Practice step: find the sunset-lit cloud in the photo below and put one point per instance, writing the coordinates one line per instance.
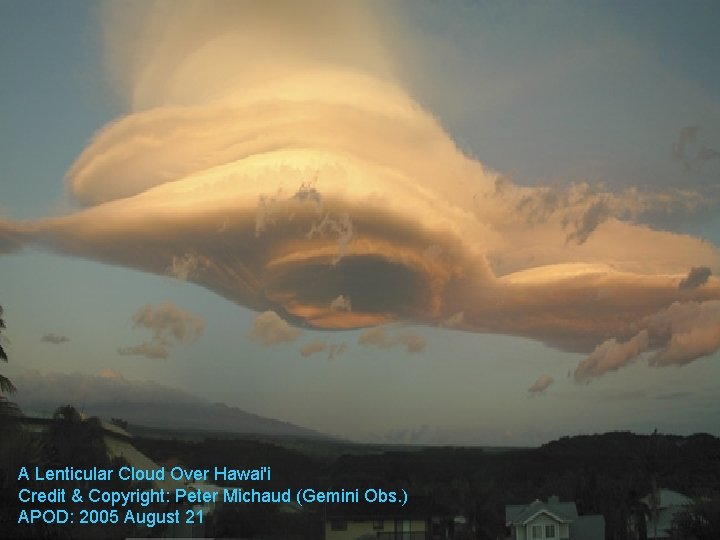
(539, 386)
(269, 329)
(314, 347)
(170, 325)
(306, 184)
(676, 335)
(341, 303)
(381, 338)
(185, 267)
(109, 373)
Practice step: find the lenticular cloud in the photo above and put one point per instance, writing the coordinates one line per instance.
(270, 155)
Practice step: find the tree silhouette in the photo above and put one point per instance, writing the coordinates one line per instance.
(5, 384)
(70, 439)
(9, 411)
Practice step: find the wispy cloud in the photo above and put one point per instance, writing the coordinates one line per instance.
(539, 386)
(54, 339)
(380, 337)
(691, 151)
(318, 346)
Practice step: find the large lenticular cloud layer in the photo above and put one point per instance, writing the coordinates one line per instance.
(269, 155)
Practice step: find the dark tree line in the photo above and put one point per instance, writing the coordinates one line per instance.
(603, 474)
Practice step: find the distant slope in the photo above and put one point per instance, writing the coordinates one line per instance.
(143, 403)
(198, 417)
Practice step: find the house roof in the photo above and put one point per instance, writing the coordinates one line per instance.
(519, 514)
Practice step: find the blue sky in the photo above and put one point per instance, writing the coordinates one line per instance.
(546, 94)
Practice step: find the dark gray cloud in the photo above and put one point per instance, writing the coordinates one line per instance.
(697, 277)
(691, 151)
(336, 349)
(54, 339)
(596, 214)
(687, 137)
(674, 395)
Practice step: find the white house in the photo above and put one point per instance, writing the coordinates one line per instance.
(552, 520)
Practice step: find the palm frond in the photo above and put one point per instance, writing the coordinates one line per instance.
(6, 385)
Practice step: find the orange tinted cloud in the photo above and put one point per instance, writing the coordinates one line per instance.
(296, 176)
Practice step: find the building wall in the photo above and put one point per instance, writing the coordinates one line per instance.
(523, 533)
(542, 520)
(518, 533)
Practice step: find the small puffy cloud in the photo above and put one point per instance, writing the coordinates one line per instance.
(697, 277)
(678, 335)
(314, 347)
(170, 325)
(109, 373)
(341, 303)
(269, 329)
(379, 337)
(54, 339)
(376, 337)
(611, 355)
(541, 385)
